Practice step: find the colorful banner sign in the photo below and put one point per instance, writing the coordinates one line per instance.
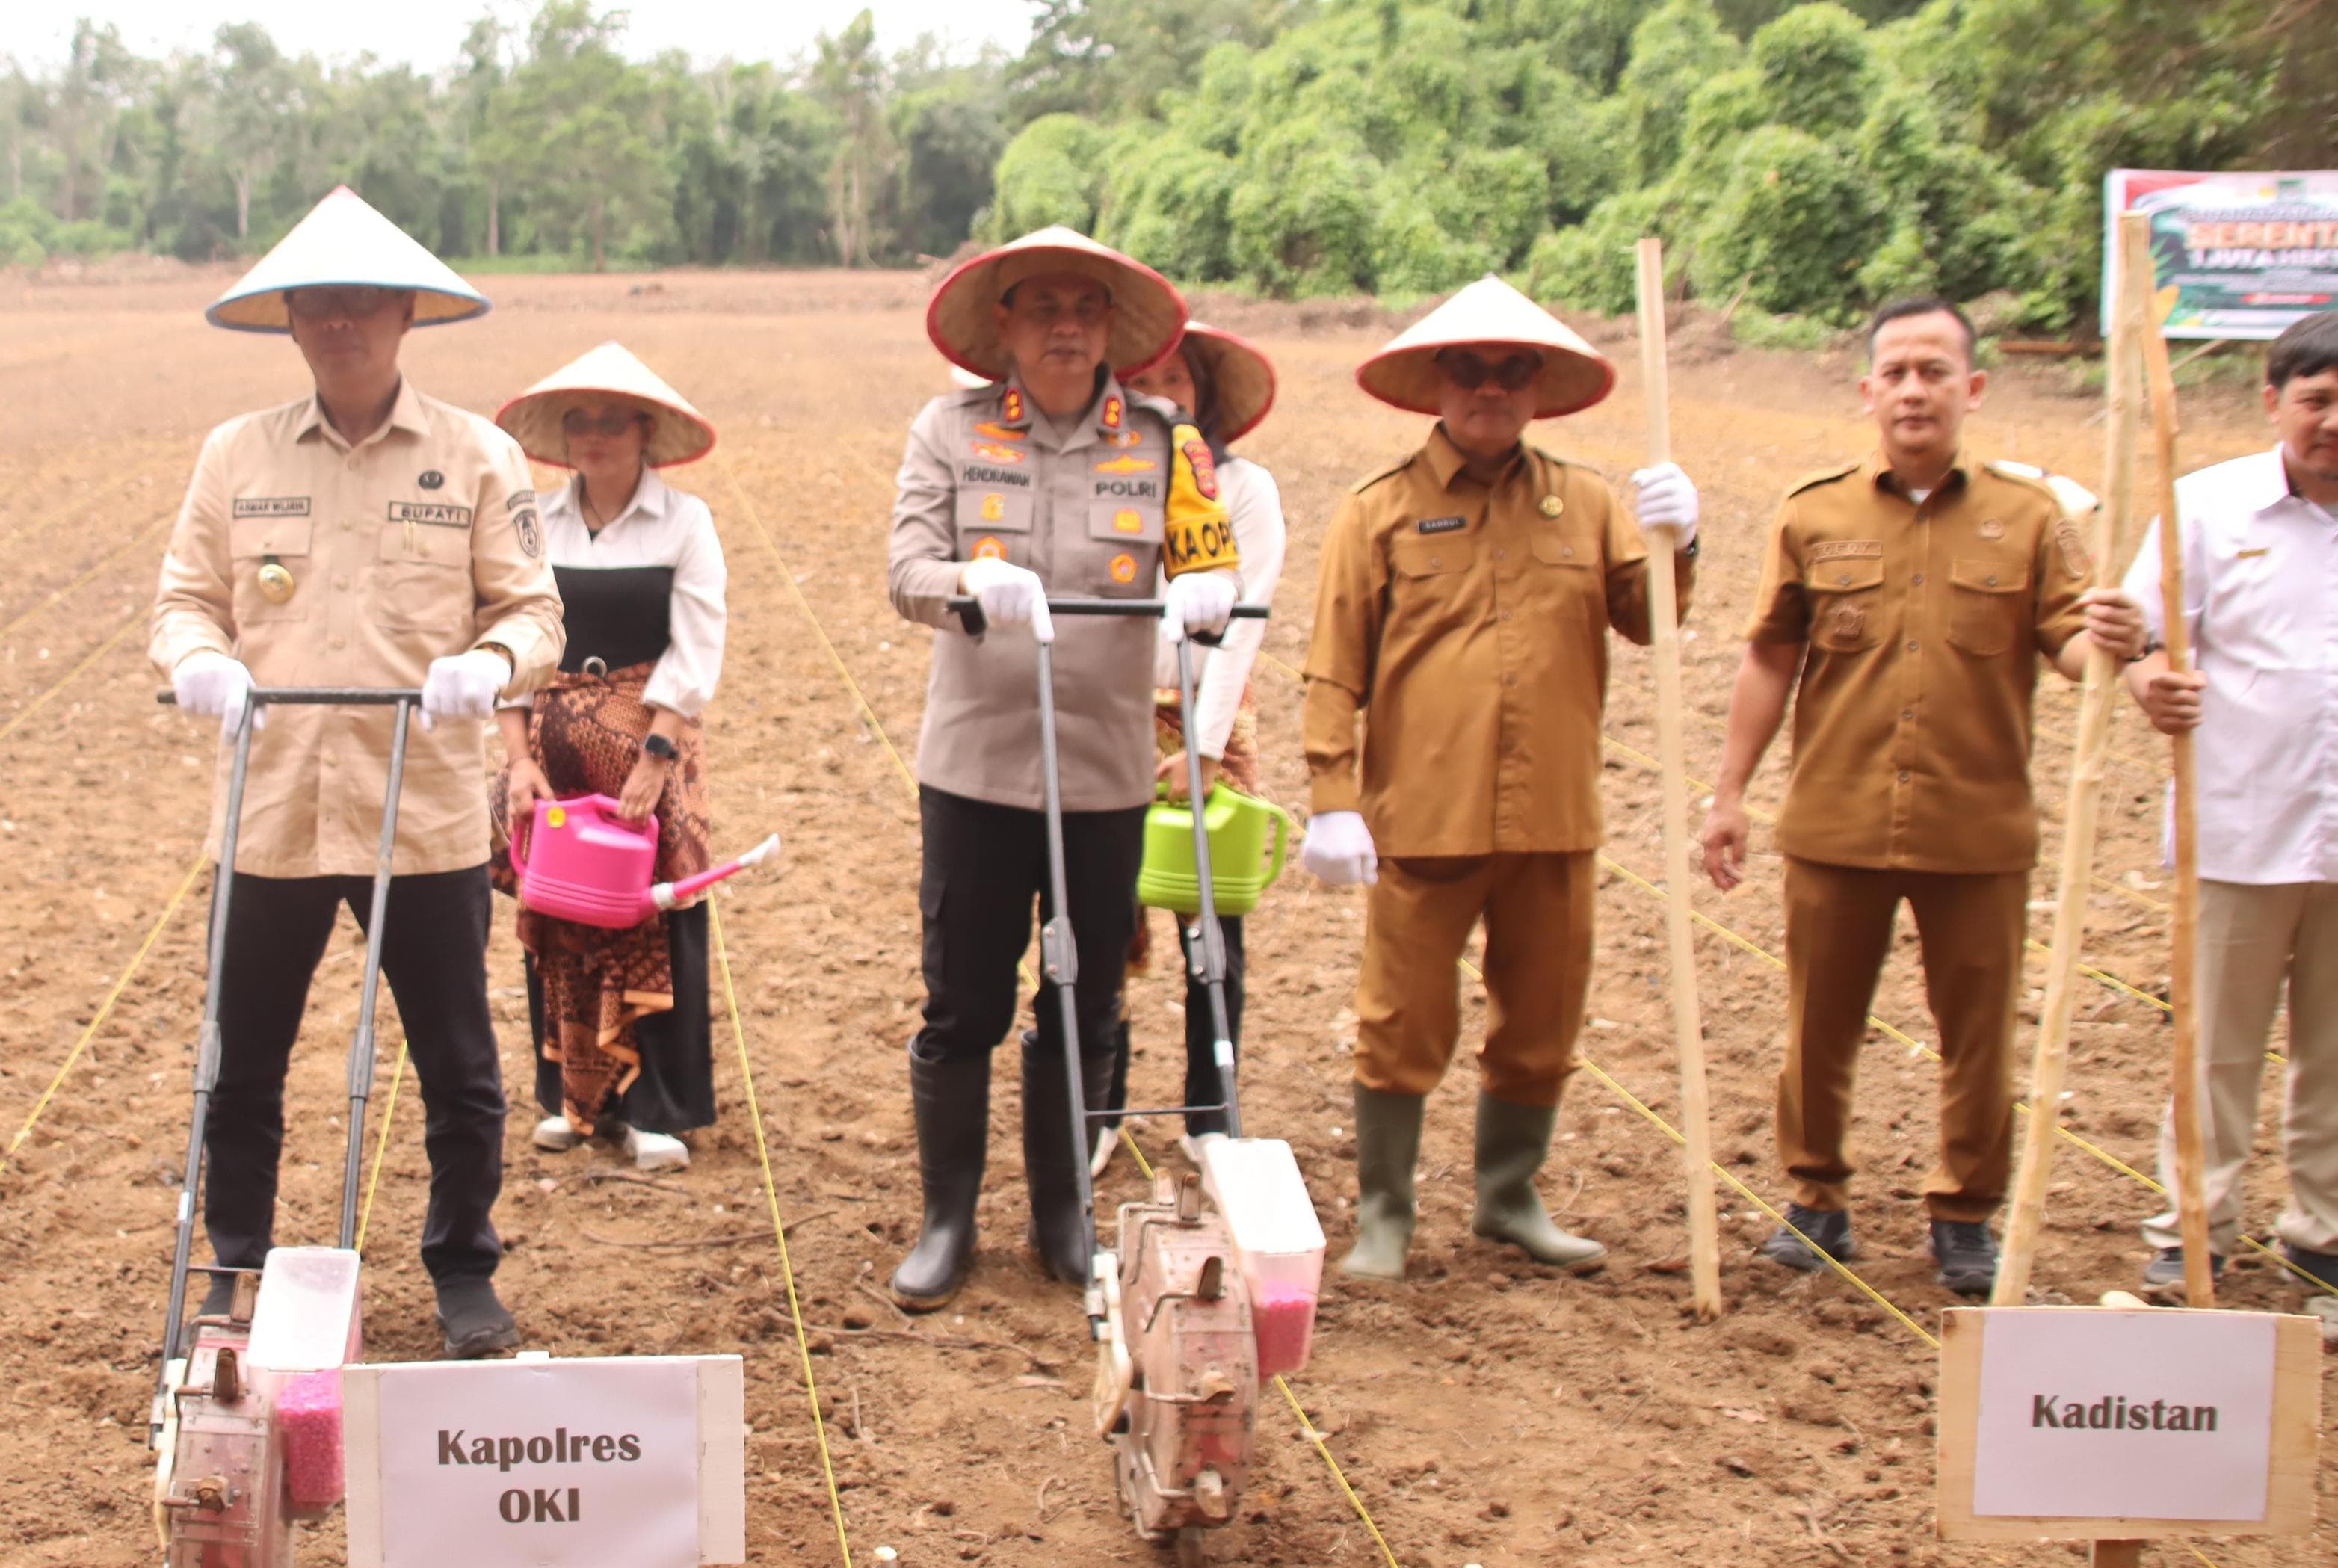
(2247, 254)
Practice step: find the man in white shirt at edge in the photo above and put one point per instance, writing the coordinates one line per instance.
(2260, 538)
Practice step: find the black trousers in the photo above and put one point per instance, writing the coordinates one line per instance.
(984, 864)
(1203, 1085)
(434, 954)
(674, 1091)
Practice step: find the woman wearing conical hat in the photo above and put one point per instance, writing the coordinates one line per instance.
(363, 535)
(1227, 384)
(622, 1040)
(1050, 478)
(1455, 683)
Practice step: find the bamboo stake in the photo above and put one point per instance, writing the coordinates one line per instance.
(2191, 1200)
(1688, 1027)
(2123, 420)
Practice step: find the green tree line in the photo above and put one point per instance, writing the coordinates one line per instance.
(545, 141)
(1804, 159)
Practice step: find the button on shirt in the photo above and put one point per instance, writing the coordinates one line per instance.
(1091, 508)
(1923, 623)
(666, 527)
(1468, 624)
(420, 542)
(2261, 602)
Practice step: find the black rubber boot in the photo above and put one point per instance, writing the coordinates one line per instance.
(476, 1322)
(952, 1101)
(1059, 1230)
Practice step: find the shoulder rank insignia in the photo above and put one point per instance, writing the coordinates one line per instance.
(1823, 477)
(1110, 417)
(1011, 411)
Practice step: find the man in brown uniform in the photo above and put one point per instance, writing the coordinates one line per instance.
(1913, 592)
(1465, 596)
(364, 534)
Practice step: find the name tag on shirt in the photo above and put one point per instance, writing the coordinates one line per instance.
(271, 507)
(437, 513)
(1442, 524)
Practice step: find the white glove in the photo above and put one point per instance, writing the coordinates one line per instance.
(1339, 849)
(1198, 602)
(1010, 595)
(463, 686)
(1663, 497)
(217, 687)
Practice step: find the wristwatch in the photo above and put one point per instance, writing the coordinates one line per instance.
(659, 747)
(2150, 646)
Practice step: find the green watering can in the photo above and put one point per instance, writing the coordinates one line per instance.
(1244, 864)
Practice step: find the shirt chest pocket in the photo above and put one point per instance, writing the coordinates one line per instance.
(422, 577)
(1429, 575)
(269, 559)
(1123, 547)
(1846, 597)
(1989, 604)
(994, 523)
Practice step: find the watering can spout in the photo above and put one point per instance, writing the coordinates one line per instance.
(667, 894)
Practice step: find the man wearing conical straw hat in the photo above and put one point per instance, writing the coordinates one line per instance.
(1048, 478)
(1455, 685)
(364, 534)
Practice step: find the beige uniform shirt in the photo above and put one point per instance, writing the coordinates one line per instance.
(421, 540)
(1923, 623)
(1095, 512)
(1468, 624)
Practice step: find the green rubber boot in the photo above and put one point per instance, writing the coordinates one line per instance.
(1512, 1142)
(1388, 1145)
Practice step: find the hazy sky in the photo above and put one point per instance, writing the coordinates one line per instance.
(428, 33)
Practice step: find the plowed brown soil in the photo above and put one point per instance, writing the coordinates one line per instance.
(1486, 1412)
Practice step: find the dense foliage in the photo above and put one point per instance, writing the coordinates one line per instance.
(1811, 159)
(1806, 158)
(549, 142)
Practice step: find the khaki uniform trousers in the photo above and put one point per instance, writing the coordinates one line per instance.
(2252, 939)
(1538, 911)
(1969, 927)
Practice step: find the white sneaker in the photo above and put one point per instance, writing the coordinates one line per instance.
(1193, 1144)
(656, 1150)
(554, 1135)
(1107, 1143)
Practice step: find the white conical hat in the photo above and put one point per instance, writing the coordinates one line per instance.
(1241, 372)
(678, 432)
(1148, 312)
(343, 240)
(1488, 313)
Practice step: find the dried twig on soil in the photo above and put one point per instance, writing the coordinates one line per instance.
(942, 1342)
(730, 1239)
(627, 1177)
(878, 1295)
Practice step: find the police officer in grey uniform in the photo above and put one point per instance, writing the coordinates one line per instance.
(1049, 479)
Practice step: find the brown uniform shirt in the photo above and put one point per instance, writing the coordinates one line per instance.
(1468, 624)
(420, 542)
(1924, 623)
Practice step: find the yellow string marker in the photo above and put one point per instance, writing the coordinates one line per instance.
(778, 1230)
(381, 1145)
(104, 1011)
(101, 563)
(92, 657)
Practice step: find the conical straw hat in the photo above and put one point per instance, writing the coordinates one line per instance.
(1146, 317)
(678, 432)
(343, 240)
(1489, 315)
(1243, 374)
(966, 380)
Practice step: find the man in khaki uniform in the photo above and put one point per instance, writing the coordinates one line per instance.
(1048, 478)
(1913, 592)
(1462, 615)
(363, 536)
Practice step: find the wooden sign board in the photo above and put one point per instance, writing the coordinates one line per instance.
(536, 1463)
(2083, 1423)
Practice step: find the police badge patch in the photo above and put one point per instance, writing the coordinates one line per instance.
(431, 479)
(2073, 549)
(531, 537)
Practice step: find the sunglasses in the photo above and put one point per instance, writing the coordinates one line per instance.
(1469, 372)
(612, 422)
(353, 302)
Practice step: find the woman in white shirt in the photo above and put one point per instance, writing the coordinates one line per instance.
(1227, 384)
(621, 1021)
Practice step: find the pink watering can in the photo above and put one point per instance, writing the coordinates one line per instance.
(580, 861)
